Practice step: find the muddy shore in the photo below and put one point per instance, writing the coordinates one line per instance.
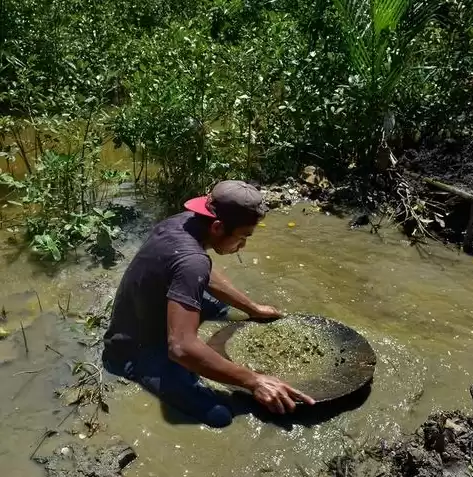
(427, 192)
(442, 446)
(450, 161)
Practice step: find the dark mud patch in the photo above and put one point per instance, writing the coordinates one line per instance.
(441, 447)
(75, 460)
(450, 161)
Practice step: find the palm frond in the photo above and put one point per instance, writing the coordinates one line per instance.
(352, 14)
(378, 35)
(388, 14)
(416, 18)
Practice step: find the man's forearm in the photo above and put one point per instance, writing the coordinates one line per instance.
(199, 358)
(222, 289)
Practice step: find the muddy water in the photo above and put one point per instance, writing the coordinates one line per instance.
(31, 293)
(113, 157)
(415, 307)
(416, 311)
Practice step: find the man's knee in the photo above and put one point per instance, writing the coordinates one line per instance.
(197, 400)
(219, 416)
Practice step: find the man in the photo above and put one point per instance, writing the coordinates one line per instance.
(169, 287)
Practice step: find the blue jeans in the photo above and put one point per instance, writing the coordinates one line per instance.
(174, 384)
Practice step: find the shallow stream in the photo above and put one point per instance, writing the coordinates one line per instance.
(415, 306)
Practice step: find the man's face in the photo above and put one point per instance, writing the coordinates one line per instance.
(224, 243)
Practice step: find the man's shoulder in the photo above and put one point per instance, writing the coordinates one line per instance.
(175, 225)
(175, 239)
(197, 261)
(176, 220)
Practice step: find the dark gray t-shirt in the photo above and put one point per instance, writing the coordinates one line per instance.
(171, 264)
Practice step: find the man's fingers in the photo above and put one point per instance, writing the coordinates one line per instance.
(279, 406)
(273, 404)
(289, 404)
(300, 396)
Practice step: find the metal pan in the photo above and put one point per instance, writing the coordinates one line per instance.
(350, 364)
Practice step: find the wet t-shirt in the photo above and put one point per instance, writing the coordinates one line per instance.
(171, 264)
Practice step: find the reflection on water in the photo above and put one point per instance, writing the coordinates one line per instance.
(415, 311)
(70, 140)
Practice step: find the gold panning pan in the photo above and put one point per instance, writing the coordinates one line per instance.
(319, 356)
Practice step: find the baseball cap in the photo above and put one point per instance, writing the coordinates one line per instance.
(229, 198)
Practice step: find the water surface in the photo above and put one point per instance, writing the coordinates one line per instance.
(414, 306)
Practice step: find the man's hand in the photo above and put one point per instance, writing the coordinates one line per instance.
(265, 312)
(276, 395)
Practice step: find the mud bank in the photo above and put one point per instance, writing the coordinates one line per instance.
(427, 193)
(450, 161)
(75, 460)
(441, 447)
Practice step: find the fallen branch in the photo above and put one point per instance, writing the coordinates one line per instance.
(441, 185)
(457, 191)
(33, 371)
(449, 188)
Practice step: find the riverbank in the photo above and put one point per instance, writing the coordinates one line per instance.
(441, 446)
(427, 193)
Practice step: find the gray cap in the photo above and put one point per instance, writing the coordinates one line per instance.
(228, 198)
(236, 195)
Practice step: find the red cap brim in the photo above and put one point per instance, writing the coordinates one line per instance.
(199, 206)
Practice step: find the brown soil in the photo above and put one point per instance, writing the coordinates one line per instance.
(450, 161)
(441, 447)
(75, 460)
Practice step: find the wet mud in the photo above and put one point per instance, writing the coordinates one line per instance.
(450, 161)
(75, 460)
(441, 447)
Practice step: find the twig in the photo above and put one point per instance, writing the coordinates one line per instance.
(68, 302)
(24, 337)
(39, 301)
(91, 390)
(61, 310)
(54, 351)
(64, 419)
(46, 435)
(24, 385)
(33, 371)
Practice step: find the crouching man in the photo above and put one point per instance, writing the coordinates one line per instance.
(169, 288)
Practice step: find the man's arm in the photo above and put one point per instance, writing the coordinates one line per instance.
(222, 289)
(187, 349)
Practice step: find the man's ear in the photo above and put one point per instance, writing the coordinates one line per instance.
(217, 228)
